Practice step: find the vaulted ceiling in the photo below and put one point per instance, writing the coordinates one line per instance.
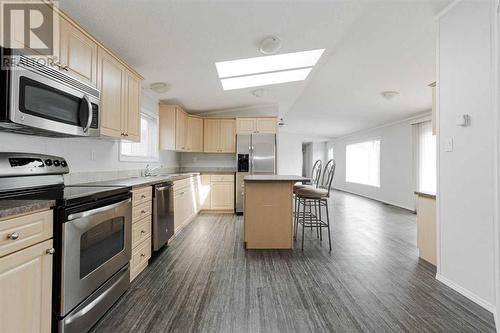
(371, 46)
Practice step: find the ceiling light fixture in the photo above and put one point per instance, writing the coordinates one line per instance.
(266, 64)
(389, 94)
(159, 87)
(270, 45)
(265, 79)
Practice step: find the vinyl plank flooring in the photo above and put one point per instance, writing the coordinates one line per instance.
(372, 281)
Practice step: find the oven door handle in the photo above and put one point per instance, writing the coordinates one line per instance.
(97, 210)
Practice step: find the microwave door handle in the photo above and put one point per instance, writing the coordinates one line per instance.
(89, 119)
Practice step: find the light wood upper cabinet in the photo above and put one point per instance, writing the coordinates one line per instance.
(211, 134)
(246, 125)
(132, 113)
(111, 84)
(180, 129)
(167, 127)
(227, 136)
(256, 125)
(219, 135)
(120, 98)
(78, 53)
(194, 134)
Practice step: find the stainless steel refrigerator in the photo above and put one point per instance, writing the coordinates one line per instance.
(256, 155)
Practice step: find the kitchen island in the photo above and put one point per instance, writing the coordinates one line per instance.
(268, 212)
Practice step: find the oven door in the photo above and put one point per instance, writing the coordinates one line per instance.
(48, 100)
(95, 245)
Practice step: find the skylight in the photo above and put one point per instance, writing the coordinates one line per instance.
(266, 64)
(265, 79)
(261, 71)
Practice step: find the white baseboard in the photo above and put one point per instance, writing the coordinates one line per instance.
(497, 324)
(376, 199)
(470, 295)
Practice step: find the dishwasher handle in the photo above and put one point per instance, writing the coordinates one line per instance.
(163, 188)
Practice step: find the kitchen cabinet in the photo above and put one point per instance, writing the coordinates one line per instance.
(217, 192)
(141, 229)
(219, 135)
(180, 131)
(194, 134)
(26, 250)
(120, 98)
(186, 205)
(426, 227)
(256, 125)
(78, 53)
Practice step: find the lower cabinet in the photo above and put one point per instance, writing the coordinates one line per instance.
(25, 276)
(217, 192)
(186, 203)
(142, 199)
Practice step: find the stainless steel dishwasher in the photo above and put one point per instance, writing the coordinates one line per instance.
(163, 214)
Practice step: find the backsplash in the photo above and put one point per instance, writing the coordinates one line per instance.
(207, 162)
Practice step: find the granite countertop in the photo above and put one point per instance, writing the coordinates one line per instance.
(16, 207)
(276, 178)
(426, 194)
(135, 182)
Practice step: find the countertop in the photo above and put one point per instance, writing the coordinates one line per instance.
(275, 178)
(16, 207)
(142, 181)
(426, 195)
(209, 170)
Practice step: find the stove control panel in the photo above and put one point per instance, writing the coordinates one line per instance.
(25, 164)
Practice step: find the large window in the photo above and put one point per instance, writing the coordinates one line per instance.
(363, 163)
(147, 149)
(426, 157)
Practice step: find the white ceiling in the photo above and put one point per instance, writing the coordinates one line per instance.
(371, 46)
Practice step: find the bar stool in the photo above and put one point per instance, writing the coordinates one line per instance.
(314, 182)
(309, 197)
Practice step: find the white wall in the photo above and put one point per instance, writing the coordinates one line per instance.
(289, 153)
(78, 151)
(397, 166)
(466, 190)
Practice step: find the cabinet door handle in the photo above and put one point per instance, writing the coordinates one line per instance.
(50, 251)
(143, 196)
(13, 236)
(143, 232)
(143, 255)
(143, 211)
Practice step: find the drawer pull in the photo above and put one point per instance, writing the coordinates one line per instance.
(143, 255)
(143, 232)
(143, 211)
(143, 196)
(13, 236)
(50, 251)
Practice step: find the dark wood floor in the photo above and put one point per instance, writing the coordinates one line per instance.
(372, 281)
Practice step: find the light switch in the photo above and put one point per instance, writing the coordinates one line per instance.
(92, 155)
(448, 145)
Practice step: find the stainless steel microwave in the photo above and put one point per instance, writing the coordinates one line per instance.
(37, 99)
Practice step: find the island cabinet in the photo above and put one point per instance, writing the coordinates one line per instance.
(219, 135)
(26, 250)
(256, 125)
(426, 227)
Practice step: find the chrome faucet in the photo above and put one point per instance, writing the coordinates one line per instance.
(148, 172)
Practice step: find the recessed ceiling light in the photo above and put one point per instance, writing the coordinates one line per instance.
(265, 79)
(270, 45)
(159, 87)
(259, 93)
(265, 64)
(389, 94)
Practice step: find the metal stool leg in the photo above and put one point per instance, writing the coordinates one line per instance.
(328, 223)
(320, 221)
(295, 217)
(303, 221)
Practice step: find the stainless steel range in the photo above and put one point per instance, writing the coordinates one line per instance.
(92, 236)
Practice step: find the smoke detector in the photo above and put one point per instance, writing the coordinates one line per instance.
(159, 87)
(270, 45)
(389, 94)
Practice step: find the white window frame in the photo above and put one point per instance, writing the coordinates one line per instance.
(418, 151)
(379, 162)
(152, 158)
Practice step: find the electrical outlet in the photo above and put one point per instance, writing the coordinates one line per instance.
(448, 145)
